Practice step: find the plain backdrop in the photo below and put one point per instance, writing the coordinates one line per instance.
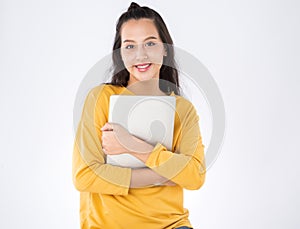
(250, 47)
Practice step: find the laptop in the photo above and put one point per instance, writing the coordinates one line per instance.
(150, 118)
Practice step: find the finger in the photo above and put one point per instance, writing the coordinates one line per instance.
(104, 151)
(103, 128)
(108, 135)
(107, 127)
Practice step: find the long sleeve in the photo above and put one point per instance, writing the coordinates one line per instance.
(90, 173)
(186, 165)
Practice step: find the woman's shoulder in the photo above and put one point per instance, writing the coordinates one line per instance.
(183, 102)
(106, 89)
(185, 108)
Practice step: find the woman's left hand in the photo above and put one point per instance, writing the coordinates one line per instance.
(117, 140)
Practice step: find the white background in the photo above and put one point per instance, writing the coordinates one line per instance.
(250, 47)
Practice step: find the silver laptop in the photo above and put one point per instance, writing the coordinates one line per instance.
(150, 118)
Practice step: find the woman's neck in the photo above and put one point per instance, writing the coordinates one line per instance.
(147, 87)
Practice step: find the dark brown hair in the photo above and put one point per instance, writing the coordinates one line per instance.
(168, 73)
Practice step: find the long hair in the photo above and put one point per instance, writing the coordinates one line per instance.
(168, 74)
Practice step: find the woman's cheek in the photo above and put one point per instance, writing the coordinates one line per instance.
(128, 57)
(156, 57)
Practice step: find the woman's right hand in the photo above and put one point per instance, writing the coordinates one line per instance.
(117, 140)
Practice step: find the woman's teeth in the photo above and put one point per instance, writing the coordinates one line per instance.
(142, 66)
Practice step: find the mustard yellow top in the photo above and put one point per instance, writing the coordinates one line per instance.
(106, 199)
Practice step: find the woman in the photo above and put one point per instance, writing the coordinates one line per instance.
(115, 197)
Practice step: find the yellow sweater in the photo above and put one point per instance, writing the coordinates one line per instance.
(106, 200)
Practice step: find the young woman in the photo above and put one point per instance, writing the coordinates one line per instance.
(114, 197)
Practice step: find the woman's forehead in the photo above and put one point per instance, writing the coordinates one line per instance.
(138, 30)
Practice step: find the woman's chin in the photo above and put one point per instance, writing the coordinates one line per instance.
(144, 77)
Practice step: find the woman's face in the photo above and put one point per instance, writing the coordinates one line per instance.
(142, 50)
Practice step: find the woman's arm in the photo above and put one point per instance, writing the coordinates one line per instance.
(185, 166)
(187, 171)
(146, 177)
(117, 140)
(90, 172)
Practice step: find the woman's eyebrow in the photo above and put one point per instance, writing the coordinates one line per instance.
(148, 38)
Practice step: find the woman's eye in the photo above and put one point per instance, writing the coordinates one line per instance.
(150, 43)
(129, 47)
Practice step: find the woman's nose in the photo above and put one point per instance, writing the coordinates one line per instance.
(141, 53)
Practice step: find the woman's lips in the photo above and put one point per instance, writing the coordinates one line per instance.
(143, 67)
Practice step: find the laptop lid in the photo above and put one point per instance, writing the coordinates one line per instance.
(150, 118)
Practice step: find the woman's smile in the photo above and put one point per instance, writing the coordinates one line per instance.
(143, 67)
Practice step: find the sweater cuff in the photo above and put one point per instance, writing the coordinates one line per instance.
(153, 159)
